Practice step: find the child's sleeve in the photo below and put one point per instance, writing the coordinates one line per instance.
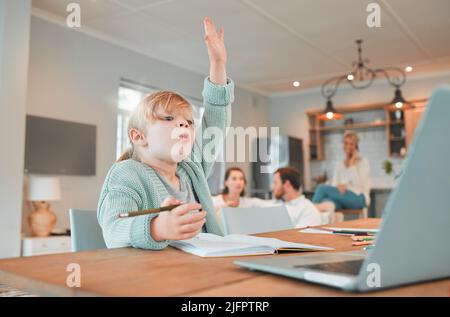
(125, 232)
(217, 100)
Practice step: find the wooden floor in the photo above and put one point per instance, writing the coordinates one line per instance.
(171, 272)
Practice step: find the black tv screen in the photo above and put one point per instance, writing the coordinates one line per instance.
(59, 147)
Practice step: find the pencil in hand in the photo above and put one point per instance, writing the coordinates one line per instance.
(147, 211)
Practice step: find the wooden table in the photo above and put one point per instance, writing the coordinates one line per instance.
(171, 272)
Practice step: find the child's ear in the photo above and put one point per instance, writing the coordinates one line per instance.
(137, 137)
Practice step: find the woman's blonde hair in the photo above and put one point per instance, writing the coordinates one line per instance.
(147, 110)
(354, 135)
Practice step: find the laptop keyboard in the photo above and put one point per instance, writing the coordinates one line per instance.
(345, 267)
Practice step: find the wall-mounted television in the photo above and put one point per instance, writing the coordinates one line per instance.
(59, 147)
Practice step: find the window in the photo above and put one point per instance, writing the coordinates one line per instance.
(128, 100)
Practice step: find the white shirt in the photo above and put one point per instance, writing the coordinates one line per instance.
(355, 177)
(302, 211)
(244, 202)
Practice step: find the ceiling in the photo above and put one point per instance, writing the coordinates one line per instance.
(273, 43)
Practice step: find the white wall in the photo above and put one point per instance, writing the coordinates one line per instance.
(75, 77)
(255, 114)
(289, 111)
(14, 45)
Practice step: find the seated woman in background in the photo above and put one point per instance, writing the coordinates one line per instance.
(233, 193)
(351, 182)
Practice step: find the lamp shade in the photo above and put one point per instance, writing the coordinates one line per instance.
(399, 102)
(398, 97)
(44, 189)
(330, 113)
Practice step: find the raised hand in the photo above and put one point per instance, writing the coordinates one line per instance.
(214, 42)
(216, 51)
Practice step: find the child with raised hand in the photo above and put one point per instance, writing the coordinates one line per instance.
(166, 163)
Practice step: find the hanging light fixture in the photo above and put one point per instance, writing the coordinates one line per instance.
(330, 113)
(399, 102)
(363, 77)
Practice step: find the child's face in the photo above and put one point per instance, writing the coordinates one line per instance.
(170, 136)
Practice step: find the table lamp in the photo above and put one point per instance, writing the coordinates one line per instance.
(41, 190)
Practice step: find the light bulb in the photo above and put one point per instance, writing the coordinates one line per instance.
(408, 69)
(330, 115)
(399, 104)
(350, 77)
(296, 84)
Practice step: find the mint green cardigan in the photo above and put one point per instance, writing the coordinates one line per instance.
(131, 185)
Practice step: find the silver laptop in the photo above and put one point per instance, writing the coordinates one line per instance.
(255, 220)
(413, 242)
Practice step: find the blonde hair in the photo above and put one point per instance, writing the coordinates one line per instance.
(354, 135)
(147, 111)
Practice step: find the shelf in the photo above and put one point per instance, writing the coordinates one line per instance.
(394, 125)
(352, 126)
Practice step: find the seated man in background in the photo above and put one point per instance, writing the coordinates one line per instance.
(286, 188)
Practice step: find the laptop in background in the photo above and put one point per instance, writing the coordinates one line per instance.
(255, 220)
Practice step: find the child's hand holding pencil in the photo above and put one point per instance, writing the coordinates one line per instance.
(182, 222)
(176, 221)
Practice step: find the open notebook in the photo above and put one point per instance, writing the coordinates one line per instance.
(211, 245)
